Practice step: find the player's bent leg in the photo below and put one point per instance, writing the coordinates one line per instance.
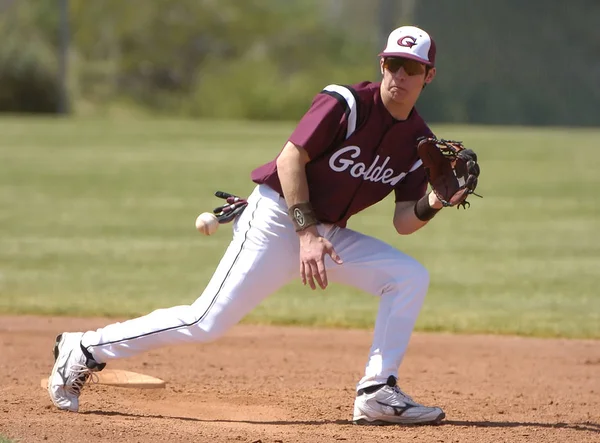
(262, 257)
(401, 282)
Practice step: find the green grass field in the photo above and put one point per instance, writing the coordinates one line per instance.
(97, 218)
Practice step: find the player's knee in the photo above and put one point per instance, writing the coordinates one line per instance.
(212, 332)
(420, 274)
(414, 275)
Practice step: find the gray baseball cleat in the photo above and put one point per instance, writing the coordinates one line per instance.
(72, 369)
(387, 405)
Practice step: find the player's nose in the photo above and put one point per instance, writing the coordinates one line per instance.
(400, 74)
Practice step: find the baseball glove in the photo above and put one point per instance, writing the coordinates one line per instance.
(235, 206)
(452, 170)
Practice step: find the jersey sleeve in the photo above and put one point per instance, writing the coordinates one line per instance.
(323, 125)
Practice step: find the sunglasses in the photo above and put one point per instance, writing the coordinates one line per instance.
(411, 67)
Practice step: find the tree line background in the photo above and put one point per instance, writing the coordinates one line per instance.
(534, 62)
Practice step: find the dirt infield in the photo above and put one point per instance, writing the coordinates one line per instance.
(268, 385)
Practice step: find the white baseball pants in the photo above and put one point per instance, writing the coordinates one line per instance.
(262, 257)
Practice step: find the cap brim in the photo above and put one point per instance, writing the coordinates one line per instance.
(406, 55)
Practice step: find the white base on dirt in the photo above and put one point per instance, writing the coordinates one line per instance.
(123, 379)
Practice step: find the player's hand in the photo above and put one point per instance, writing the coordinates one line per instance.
(313, 248)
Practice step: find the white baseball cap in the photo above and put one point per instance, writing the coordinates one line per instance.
(410, 42)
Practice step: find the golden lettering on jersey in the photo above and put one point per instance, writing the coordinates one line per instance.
(343, 160)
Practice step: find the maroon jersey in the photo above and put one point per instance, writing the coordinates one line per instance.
(358, 153)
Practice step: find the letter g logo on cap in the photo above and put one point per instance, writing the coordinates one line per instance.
(407, 41)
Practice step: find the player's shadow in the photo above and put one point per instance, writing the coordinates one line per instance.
(586, 427)
(203, 420)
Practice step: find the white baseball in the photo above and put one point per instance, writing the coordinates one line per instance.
(207, 223)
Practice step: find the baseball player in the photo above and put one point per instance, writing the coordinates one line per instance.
(353, 147)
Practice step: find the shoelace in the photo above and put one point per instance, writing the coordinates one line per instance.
(406, 396)
(82, 375)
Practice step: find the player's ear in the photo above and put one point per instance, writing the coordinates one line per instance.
(430, 75)
(381, 65)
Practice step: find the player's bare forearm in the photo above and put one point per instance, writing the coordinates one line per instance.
(291, 168)
(405, 220)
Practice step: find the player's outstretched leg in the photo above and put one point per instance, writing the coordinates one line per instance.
(262, 257)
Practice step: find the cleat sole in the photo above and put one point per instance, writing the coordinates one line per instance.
(365, 422)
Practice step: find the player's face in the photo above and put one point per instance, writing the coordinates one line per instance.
(403, 79)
